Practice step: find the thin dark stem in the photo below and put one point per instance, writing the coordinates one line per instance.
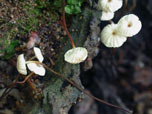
(81, 89)
(133, 6)
(4, 93)
(7, 90)
(104, 102)
(114, 51)
(65, 26)
(10, 87)
(110, 21)
(27, 77)
(70, 81)
(125, 6)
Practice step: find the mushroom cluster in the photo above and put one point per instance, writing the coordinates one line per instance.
(32, 66)
(114, 35)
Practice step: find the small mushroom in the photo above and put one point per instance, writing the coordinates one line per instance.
(32, 65)
(106, 16)
(110, 36)
(21, 66)
(38, 54)
(110, 5)
(129, 25)
(36, 68)
(76, 55)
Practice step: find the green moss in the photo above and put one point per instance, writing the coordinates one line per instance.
(9, 50)
(9, 46)
(8, 41)
(35, 13)
(38, 12)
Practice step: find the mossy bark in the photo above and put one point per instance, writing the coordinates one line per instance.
(59, 95)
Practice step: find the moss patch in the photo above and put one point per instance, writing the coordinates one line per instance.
(19, 18)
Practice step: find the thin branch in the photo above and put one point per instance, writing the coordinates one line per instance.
(64, 78)
(81, 89)
(7, 90)
(64, 24)
(28, 80)
(27, 77)
(4, 93)
(10, 87)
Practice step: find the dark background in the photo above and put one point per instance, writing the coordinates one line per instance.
(122, 76)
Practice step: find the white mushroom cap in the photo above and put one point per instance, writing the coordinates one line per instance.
(36, 68)
(129, 25)
(106, 16)
(110, 5)
(38, 54)
(76, 55)
(110, 36)
(21, 66)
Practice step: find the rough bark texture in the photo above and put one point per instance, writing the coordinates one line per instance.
(58, 95)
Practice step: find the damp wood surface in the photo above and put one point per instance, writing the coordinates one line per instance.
(21, 21)
(121, 76)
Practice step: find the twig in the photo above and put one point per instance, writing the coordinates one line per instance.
(81, 89)
(28, 80)
(7, 90)
(10, 87)
(65, 26)
(27, 77)
(64, 78)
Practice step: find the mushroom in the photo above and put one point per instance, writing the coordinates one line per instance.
(21, 65)
(76, 55)
(32, 66)
(110, 5)
(105, 16)
(129, 25)
(110, 36)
